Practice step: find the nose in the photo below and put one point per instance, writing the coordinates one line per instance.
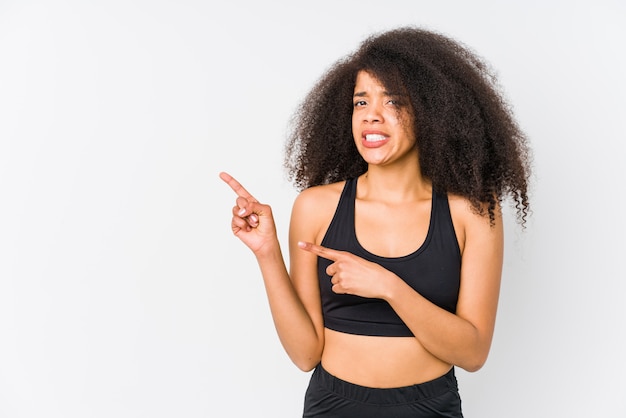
(374, 113)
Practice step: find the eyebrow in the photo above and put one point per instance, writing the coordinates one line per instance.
(386, 93)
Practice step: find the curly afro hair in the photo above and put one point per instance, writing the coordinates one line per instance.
(468, 141)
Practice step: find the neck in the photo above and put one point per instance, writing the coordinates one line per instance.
(394, 185)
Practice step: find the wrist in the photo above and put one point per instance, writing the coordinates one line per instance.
(394, 285)
(268, 251)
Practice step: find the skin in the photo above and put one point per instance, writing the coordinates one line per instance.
(392, 216)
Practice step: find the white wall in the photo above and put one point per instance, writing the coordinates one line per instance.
(123, 292)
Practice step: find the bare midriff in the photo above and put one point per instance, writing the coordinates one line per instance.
(379, 362)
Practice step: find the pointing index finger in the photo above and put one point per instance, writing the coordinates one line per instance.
(328, 253)
(236, 186)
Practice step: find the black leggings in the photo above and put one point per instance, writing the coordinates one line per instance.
(330, 397)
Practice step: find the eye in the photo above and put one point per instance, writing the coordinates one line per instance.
(360, 103)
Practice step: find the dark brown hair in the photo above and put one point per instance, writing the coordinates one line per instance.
(468, 141)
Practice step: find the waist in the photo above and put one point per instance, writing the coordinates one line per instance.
(385, 396)
(379, 362)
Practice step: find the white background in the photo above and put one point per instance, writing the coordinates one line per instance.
(123, 292)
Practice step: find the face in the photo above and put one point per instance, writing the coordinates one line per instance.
(381, 125)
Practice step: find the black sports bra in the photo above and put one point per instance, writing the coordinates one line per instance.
(433, 270)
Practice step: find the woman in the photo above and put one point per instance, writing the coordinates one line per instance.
(404, 152)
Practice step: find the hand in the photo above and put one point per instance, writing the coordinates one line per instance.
(252, 221)
(352, 274)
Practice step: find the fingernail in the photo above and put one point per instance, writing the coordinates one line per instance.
(241, 211)
(301, 244)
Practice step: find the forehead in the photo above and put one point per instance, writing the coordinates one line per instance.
(367, 82)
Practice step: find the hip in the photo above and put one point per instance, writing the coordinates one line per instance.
(330, 397)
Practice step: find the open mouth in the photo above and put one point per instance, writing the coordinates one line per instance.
(374, 137)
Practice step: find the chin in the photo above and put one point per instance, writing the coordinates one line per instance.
(374, 159)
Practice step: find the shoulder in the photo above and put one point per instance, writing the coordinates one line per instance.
(314, 207)
(318, 195)
(469, 224)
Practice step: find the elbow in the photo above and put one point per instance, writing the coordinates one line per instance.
(472, 367)
(473, 363)
(475, 355)
(307, 361)
(306, 365)
(306, 356)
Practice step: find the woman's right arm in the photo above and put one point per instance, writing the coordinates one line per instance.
(293, 298)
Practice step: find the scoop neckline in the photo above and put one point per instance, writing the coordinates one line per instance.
(415, 253)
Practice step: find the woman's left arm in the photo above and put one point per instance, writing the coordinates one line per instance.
(463, 338)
